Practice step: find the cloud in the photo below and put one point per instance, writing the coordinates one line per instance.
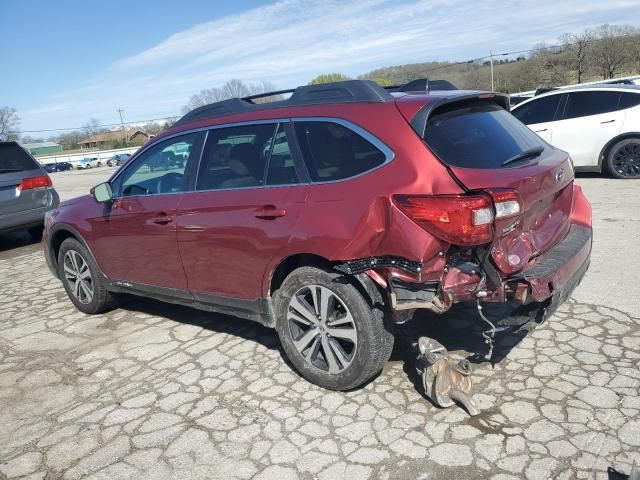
(290, 41)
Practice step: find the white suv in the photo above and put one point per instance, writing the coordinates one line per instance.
(598, 125)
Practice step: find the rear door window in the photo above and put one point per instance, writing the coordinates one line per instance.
(236, 157)
(584, 104)
(334, 152)
(540, 110)
(628, 100)
(14, 158)
(478, 135)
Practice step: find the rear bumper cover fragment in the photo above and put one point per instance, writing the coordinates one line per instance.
(560, 270)
(354, 267)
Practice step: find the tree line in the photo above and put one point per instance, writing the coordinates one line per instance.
(602, 53)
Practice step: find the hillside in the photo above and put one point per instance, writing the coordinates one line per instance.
(604, 53)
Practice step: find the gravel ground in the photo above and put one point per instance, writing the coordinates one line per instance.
(155, 391)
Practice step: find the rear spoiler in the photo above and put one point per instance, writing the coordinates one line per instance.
(419, 120)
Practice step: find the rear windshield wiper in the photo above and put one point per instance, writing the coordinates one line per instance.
(531, 153)
(7, 170)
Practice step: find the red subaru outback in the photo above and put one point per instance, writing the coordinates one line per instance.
(327, 214)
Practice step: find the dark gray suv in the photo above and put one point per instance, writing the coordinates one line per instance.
(26, 191)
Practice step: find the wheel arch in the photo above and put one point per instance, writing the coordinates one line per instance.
(605, 150)
(289, 264)
(367, 287)
(59, 234)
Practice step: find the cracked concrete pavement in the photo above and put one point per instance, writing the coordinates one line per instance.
(156, 391)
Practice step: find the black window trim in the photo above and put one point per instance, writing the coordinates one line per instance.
(296, 153)
(299, 163)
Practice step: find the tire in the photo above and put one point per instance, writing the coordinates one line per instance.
(355, 332)
(623, 159)
(92, 295)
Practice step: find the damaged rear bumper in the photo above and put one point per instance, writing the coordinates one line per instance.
(550, 278)
(556, 274)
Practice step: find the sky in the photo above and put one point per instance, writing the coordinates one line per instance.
(66, 61)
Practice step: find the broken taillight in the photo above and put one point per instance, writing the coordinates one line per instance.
(456, 219)
(30, 183)
(460, 219)
(506, 202)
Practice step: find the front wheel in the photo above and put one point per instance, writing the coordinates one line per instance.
(83, 281)
(623, 159)
(329, 331)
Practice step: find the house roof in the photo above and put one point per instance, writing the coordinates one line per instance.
(115, 135)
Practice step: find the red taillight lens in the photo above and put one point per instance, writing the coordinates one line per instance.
(35, 182)
(457, 219)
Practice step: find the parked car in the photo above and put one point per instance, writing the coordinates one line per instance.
(118, 159)
(64, 166)
(376, 205)
(598, 125)
(89, 162)
(57, 167)
(26, 191)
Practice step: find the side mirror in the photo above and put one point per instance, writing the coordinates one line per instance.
(102, 192)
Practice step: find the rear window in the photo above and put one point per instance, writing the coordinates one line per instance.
(478, 135)
(14, 159)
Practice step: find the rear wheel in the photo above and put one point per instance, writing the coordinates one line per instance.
(82, 280)
(329, 331)
(623, 159)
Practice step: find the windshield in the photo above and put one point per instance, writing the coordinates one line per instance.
(479, 135)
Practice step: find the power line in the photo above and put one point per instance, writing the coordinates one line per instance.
(440, 67)
(131, 122)
(503, 54)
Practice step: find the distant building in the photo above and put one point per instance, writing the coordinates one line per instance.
(42, 148)
(134, 137)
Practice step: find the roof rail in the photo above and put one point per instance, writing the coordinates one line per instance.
(348, 91)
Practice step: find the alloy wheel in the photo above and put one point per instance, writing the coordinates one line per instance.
(322, 328)
(78, 276)
(626, 160)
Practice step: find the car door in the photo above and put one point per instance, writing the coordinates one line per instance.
(589, 121)
(248, 197)
(136, 237)
(539, 114)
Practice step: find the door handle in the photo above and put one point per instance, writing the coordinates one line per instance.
(162, 219)
(538, 131)
(269, 212)
(608, 121)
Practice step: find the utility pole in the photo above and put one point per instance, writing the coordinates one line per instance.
(126, 134)
(491, 55)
